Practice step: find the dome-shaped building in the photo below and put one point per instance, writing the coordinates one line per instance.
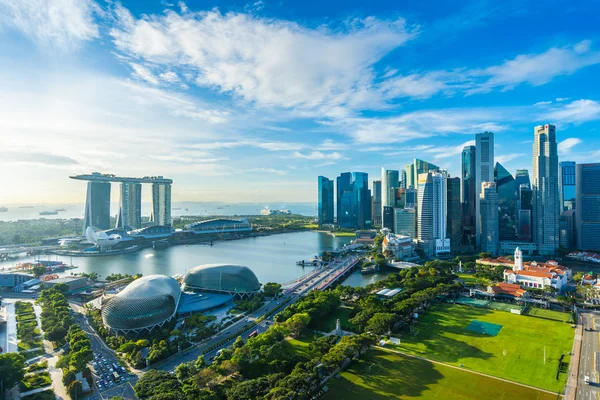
(222, 278)
(145, 303)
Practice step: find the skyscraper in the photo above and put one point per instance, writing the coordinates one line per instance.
(389, 182)
(587, 211)
(413, 170)
(525, 204)
(362, 200)
(484, 172)
(507, 203)
(566, 185)
(411, 198)
(325, 200)
(343, 185)
(130, 206)
(97, 206)
(544, 186)
(431, 211)
(405, 222)
(161, 204)
(453, 222)
(388, 218)
(377, 208)
(467, 195)
(489, 218)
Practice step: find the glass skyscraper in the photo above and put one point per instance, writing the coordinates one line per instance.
(343, 185)
(390, 180)
(130, 207)
(467, 195)
(484, 172)
(507, 203)
(377, 209)
(587, 211)
(566, 185)
(97, 206)
(161, 204)
(353, 200)
(489, 218)
(453, 223)
(325, 200)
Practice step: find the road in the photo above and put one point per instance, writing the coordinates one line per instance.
(101, 371)
(590, 349)
(317, 280)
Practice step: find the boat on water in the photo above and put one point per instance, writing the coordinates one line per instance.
(3, 209)
(176, 208)
(368, 270)
(48, 212)
(60, 209)
(25, 206)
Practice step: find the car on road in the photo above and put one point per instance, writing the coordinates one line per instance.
(586, 379)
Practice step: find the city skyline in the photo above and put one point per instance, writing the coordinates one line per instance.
(85, 92)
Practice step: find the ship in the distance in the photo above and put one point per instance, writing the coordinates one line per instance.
(3, 209)
(48, 212)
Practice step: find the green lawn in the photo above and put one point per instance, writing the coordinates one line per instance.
(516, 353)
(549, 314)
(385, 375)
(300, 344)
(29, 344)
(469, 279)
(35, 381)
(45, 395)
(327, 324)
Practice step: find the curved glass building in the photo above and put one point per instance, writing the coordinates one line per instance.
(145, 304)
(222, 278)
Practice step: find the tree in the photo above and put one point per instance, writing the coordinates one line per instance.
(199, 364)
(185, 370)
(298, 322)
(62, 287)
(154, 382)
(578, 277)
(38, 270)
(323, 344)
(75, 390)
(271, 289)
(380, 323)
(57, 334)
(12, 369)
(239, 342)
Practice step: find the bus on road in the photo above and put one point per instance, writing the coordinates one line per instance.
(252, 334)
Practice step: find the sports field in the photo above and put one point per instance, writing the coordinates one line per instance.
(515, 353)
(385, 375)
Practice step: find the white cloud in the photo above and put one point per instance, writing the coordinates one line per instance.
(566, 145)
(542, 103)
(559, 99)
(144, 73)
(318, 155)
(267, 61)
(329, 144)
(271, 146)
(62, 24)
(170, 77)
(266, 170)
(576, 112)
(504, 158)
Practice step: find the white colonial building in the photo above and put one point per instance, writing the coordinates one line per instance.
(537, 276)
(402, 247)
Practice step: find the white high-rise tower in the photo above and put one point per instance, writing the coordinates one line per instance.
(518, 260)
(484, 172)
(544, 186)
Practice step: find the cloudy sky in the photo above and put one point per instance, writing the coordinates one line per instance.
(251, 101)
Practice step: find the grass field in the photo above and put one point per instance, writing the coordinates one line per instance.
(549, 314)
(327, 324)
(516, 353)
(469, 279)
(300, 344)
(385, 375)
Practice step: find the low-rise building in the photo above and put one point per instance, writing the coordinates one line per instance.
(503, 289)
(537, 275)
(401, 247)
(74, 282)
(13, 279)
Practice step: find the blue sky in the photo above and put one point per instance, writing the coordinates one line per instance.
(250, 101)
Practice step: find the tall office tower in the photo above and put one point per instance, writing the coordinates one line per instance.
(405, 222)
(432, 203)
(343, 184)
(411, 198)
(416, 168)
(389, 183)
(130, 206)
(325, 200)
(97, 206)
(362, 200)
(403, 179)
(484, 172)
(525, 213)
(399, 198)
(587, 211)
(507, 203)
(566, 185)
(467, 196)
(453, 223)
(522, 178)
(161, 204)
(377, 209)
(566, 229)
(388, 218)
(489, 218)
(544, 185)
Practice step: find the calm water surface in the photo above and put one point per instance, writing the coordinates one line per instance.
(272, 258)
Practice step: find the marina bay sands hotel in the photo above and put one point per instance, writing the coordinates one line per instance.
(97, 204)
